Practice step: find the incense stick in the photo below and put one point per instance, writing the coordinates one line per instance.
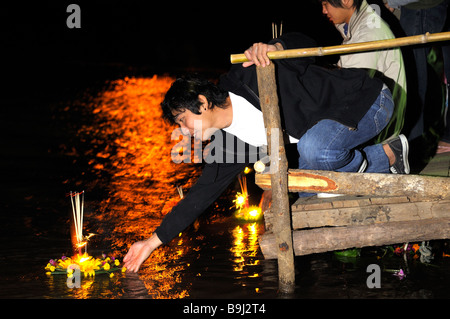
(275, 30)
(78, 212)
(243, 183)
(180, 191)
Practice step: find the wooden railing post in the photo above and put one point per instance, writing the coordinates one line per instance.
(279, 177)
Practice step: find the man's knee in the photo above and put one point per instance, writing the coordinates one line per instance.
(323, 158)
(314, 156)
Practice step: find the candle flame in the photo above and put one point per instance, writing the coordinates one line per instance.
(254, 212)
(241, 200)
(251, 213)
(82, 258)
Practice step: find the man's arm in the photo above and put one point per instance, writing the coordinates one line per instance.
(139, 252)
(214, 180)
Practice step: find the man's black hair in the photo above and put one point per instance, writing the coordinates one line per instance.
(183, 95)
(338, 3)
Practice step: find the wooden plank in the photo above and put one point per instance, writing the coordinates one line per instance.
(362, 211)
(319, 240)
(362, 183)
(371, 214)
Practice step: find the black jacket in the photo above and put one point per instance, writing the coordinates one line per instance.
(307, 94)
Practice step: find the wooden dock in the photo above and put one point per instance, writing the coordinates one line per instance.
(349, 221)
(377, 209)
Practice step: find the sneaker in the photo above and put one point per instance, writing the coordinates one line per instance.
(400, 148)
(363, 166)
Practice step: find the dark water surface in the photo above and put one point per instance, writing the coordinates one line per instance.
(110, 141)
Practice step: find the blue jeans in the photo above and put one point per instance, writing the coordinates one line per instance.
(332, 146)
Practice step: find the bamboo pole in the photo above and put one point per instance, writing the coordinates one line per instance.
(279, 178)
(350, 48)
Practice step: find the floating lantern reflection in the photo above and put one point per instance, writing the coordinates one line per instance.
(245, 248)
(127, 124)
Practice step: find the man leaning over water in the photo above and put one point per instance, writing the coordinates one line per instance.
(329, 114)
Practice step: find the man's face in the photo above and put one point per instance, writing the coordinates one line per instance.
(198, 126)
(338, 15)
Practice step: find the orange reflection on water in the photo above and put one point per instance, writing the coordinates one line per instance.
(245, 248)
(131, 150)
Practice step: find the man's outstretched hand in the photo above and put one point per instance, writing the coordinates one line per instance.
(139, 252)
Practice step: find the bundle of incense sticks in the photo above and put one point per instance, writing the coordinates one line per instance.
(243, 183)
(77, 200)
(180, 191)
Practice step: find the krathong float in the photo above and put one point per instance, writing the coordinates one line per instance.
(245, 211)
(88, 265)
